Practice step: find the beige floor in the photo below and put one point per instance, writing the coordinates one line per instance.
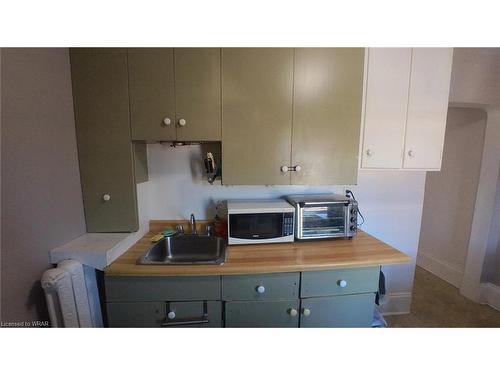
(436, 303)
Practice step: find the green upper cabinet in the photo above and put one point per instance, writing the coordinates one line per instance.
(105, 152)
(198, 94)
(152, 97)
(175, 94)
(327, 102)
(257, 87)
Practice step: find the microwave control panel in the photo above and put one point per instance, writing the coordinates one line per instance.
(288, 224)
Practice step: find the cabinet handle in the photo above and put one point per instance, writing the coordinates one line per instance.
(171, 315)
(342, 283)
(167, 121)
(306, 312)
(261, 289)
(184, 322)
(411, 153)
(292, 312)
(106, 197)
(182, 122)
(368, 152)
(285, 168)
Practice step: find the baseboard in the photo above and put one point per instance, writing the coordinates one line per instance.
(446, 271)
(490, 295)
(395, 304)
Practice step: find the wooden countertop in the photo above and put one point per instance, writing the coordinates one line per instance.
(362, 251)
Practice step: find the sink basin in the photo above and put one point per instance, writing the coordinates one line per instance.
(186, 249)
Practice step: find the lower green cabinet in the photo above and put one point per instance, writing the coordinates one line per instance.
(334, 298)
(262, 314)
(354, 310)
(164, 314)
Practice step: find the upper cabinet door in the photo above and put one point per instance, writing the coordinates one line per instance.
(100, 95)
(257, 86)
(328, 92)
(198, 94)
(427, 108)
(152, 100)
(386, 102)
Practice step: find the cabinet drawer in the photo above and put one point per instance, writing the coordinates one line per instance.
(339, 282)
(340, 311)
(261, 287)
(154, 314)
(130, 289)
(262, 314)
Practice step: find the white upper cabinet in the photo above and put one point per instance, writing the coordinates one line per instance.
(406, 103)
(386, 102)
(427, 108)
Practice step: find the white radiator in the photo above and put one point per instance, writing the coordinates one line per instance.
(71, 300)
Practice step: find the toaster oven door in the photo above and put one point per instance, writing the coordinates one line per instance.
(323, 221)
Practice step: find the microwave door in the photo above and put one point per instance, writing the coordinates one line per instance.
(323, 221)
(256, 226)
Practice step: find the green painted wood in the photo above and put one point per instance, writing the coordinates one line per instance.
(198, 93)
(327, 101)
(100, 95)
(157, 288)
(193, 310)
(141, 162)
(152, 96)
(257, 87)
(135, 314)
(261, 314)
(245, 287)
(338, 312)
(326, 283)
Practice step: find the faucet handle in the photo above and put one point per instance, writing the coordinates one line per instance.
(180, 228)
(210, 230)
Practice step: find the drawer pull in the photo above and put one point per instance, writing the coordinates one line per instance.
(261, 289)
(306, 312)
(184, 322)
(342, 283)
(292, 312)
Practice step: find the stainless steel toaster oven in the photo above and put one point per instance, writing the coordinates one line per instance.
(324, 216)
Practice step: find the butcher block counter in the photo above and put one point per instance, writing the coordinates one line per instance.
(361, 251)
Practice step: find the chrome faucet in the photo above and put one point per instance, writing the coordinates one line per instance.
(192, 224)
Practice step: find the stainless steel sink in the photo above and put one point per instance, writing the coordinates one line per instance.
(186, 249)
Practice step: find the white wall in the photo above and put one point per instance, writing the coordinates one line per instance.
(450, 196)
(390, 200)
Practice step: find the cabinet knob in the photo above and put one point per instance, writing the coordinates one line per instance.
(368, 152)
(342, 283)
(261, 289)
(182, 122)
(106, 197)
(167, 121)
(171, 315)
(411, 153)
(284, 168)
(306, 312)
(297, 168)
(292, 312)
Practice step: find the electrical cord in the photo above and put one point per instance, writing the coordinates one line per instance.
(350, 194)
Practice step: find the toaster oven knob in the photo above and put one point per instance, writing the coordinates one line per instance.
(354, 211)
(261, 289)
(352, 228)
(342, 283)
(353, 219)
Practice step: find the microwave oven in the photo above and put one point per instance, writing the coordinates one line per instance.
(260, 221)
(324, 216)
